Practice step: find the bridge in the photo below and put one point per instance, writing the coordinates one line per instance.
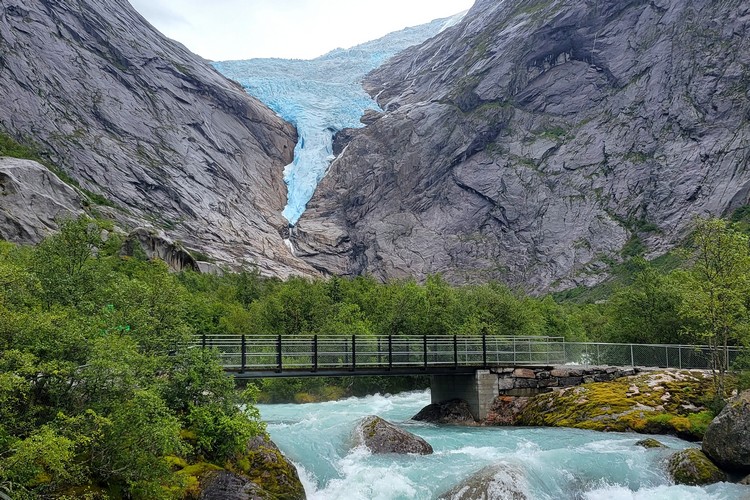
(473, 368)
(304, 356)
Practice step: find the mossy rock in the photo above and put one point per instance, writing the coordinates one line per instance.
(267, 467)
(225, 485)
(650, 443)
(665, 402)
(381, 436)
(192, 476)
(693, 468)
(727, 439)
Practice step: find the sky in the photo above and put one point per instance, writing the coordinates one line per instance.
(303, 29)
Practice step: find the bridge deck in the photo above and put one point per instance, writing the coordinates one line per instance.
(264, 356)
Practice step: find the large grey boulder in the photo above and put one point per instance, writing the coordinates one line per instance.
(32, 200)
(455, 411)
(727, 438)
(530, 142)
(380, 436)
(140, 120)
(693, 468)
(225, 485)
(497, 482)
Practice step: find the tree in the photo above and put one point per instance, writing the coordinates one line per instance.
(62, 262)
(716, 290)
(647, 311)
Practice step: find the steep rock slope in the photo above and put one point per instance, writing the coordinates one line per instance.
(537, 138)
(32, 200)
(139, 119)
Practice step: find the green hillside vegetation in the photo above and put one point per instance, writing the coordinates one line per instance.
(99, 392)
(98, 395)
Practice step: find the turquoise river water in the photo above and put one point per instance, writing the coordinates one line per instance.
(557, 463)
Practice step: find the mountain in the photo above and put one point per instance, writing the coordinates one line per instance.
(538, 141)
(320, 97)
(158, 136)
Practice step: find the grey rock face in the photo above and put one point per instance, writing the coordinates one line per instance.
(497, 482)
(139, 119)
(380, 436)
(158, 246)
(455, 411)
(533, 140)
(31, 200)
(224, 485)
(727, 438)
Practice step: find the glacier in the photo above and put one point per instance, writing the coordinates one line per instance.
(321, 97)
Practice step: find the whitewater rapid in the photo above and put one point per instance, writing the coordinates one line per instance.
(321, 97)
(557, 463)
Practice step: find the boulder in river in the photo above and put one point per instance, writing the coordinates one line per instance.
(497, 482)
(693, 468)
(727, 438)
(650, 443)
(380, 436)
(455, 411)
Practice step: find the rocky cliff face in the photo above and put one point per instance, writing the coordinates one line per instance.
(537, 138)
(32, 199)
(137, 118)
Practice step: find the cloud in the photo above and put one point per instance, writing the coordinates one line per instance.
(242, 29)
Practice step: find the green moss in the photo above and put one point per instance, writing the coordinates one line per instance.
(176, 462)
(267, 467)
(615, 406)
(190, 479)
(693, 468)
(650, 443)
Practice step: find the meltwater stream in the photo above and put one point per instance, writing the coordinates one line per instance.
(321, 97)
(557, 463)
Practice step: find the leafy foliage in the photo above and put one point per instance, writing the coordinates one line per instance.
(98, 388)
(97, 385)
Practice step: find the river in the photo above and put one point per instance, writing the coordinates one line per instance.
(557, 463)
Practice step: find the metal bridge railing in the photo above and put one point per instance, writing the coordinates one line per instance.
(645, 355)
(385, 353)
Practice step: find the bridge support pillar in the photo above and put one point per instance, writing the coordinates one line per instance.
(479, 390)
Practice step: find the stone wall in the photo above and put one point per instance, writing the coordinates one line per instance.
(496, 393)
(516, 386)
(532, 381)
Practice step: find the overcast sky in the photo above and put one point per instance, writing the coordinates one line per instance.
(243, 29)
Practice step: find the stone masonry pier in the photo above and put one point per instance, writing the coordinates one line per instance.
(482, 388)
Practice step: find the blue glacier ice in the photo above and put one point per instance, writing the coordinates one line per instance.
(320, 97)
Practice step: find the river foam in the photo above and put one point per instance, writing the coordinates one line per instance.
(556, 463)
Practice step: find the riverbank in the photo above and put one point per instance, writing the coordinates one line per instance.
(658, 402)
